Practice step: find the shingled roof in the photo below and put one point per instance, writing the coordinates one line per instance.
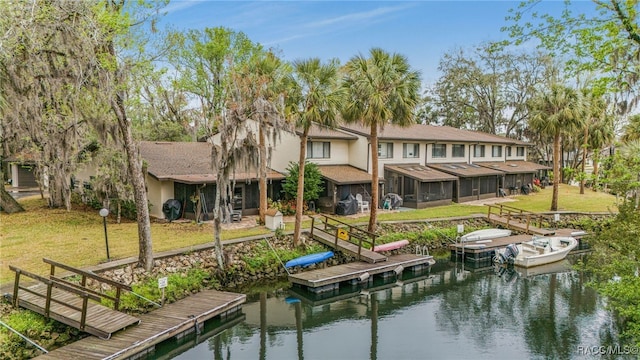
(345, 174)
(514, 167)
(420, 172)
(186, 162)
(322, 132)
(421, 132)
(465, 170)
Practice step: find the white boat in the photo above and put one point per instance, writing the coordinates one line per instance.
(553, 268)
(485, 234)
(538, 251)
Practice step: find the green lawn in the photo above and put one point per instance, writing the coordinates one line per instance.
(77, 237)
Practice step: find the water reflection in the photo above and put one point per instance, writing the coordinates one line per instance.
(449, 312)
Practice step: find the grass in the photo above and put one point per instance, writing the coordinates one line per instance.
(76, 238)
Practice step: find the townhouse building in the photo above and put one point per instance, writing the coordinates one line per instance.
(425, 165)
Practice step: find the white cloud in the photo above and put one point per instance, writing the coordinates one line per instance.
(357, 17)
(177, 5)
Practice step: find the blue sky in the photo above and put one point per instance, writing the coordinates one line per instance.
(421, 30)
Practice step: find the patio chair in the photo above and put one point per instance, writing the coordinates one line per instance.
(362, 204)
(234, 215)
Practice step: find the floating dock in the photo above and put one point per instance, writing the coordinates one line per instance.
(329, 278)
(481, 253)
(173, 320)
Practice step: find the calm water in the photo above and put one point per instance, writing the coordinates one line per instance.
(446, 312)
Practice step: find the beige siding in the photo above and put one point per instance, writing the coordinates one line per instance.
(158, 192)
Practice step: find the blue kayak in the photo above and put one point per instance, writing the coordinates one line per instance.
(309, 259)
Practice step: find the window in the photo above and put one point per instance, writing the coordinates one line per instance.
(439, 151)
(457, 150)
(496, 151)
(385, 150)
(318, 150)
(410, 150)
(520, 151)
(508, 151)
(478, 151)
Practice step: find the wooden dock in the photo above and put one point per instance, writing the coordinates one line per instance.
(176, 319)
(348, 247)
(346, 238)
(329, 278)
(347, 292)
(99, 320)
(510, 217)
(482, 252)
(72, 303)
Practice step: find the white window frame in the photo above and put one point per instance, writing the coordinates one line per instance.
(496, 151)
(441, 153)
(388, 153)
(410, 150)
(313, 148)
(458, 146)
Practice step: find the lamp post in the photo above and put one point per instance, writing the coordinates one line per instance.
(104, 213)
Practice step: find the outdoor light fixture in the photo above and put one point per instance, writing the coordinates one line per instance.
(104, 213)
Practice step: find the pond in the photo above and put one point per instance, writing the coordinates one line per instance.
(446, 312)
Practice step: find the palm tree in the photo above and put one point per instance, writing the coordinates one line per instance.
(555, 113)
(315, 98)
(631, 129)
(381, 90)
(598, 130)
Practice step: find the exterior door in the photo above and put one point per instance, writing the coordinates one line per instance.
(238, 197)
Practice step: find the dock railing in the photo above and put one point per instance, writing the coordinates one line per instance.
(512, 213)
(83, 282)
(343, 231)
(52, 283)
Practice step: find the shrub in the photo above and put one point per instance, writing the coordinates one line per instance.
(312, 182)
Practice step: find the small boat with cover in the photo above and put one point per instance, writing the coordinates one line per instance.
(310, 259)
(485, 234)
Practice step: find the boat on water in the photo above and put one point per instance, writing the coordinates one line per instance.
(537, 251)
(309, 259)
(552, 268)
(485, 234)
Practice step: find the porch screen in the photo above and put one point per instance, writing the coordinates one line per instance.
(432, 191)
(466, 187)
(488, 184)
(409, 189)
(510, 181)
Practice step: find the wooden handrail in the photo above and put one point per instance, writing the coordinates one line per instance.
(510, 212)
(362, 236)
(51, 283)
(54, 283)
(87, 274)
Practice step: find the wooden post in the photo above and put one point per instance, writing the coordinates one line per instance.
(116, 304)
(16, 286)
(83, 318)
(53, 270)
(313, 220)
(47, 305)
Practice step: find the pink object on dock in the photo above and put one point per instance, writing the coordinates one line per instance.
(391, 246)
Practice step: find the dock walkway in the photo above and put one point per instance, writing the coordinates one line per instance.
(331, 276)
(183, 316)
